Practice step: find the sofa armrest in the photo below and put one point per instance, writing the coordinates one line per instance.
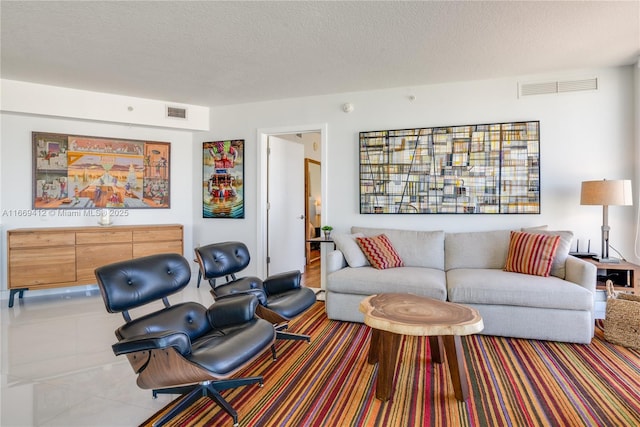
(335, 261)
(581, 272)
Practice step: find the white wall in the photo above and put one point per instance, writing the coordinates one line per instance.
(584, 136)
(31, 98)
(311, 142)
(16, 175)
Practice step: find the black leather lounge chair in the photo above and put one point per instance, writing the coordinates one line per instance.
(281, 296)
(184, 348)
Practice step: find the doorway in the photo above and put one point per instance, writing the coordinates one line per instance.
(313, 209)
(291, 133)
(286, 219)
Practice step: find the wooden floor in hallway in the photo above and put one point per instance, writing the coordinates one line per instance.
(311, 276)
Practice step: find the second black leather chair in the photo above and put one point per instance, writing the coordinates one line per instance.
(281, 296)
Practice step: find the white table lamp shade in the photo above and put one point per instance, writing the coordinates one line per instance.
(606, 193)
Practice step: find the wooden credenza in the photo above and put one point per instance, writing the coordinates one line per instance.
(43, 258)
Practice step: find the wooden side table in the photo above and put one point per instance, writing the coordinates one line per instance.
(625, 275)
(392, 315)
(318, 240)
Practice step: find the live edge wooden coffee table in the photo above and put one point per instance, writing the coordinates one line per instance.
(392, 315)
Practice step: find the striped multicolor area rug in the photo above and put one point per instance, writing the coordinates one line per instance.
(512, 382)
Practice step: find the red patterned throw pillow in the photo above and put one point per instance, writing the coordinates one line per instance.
(380, 252)
(531, 253)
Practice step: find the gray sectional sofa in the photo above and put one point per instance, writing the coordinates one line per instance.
(467, 268)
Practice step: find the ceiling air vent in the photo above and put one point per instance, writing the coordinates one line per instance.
(177, 112)
(544, 88)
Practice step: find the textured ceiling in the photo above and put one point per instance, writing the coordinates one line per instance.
(217, 53)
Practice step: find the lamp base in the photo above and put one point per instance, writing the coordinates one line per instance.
(607, 260)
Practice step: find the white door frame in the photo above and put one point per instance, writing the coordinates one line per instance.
(263, 135)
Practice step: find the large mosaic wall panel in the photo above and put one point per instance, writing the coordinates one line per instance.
(473, 169)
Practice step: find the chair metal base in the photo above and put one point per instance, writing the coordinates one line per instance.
(211, 389)
(282, 335)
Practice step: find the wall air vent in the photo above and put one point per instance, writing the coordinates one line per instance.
(177, 112)
(575, 85)
(545, 88)
(528, 89)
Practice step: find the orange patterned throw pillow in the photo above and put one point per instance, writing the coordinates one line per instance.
(380, 252)
(531, 253)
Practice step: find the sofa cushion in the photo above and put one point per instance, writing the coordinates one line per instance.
(531, 253)
(379, 251)
(416, 248)
(478, 249)
(560, 259)
(346, 243)
(366, 281)
(498, 287)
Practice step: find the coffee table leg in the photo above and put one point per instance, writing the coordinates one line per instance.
(435, 344)
(374, 347)
(453, 347)
(389, 345)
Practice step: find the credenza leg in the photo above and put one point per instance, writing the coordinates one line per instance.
(13, 292)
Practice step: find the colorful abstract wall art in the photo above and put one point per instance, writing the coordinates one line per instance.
(88, 172)
(223, 179)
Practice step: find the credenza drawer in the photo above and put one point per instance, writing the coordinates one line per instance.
(40, 240)
(101, 237)
(42, 266)
(91, 257)
(156, 235)
(152, 248)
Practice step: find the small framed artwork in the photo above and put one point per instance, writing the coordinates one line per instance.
(223, 179)
(89, 172)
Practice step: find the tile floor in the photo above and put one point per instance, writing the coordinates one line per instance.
(57, 367)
